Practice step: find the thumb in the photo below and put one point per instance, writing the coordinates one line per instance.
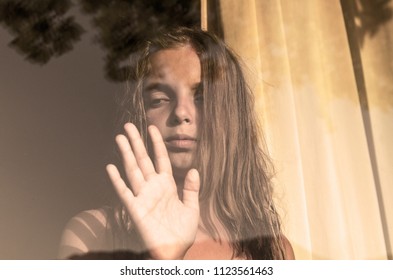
(191, 189)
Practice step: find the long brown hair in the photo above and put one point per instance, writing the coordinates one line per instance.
(235, 172)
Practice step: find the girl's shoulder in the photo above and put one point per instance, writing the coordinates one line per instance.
(288, 250)
(87, 231)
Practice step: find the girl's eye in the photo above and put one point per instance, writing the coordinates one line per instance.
(198, 98)
(156, 102)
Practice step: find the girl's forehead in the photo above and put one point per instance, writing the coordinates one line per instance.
(179, 51)
(180, 58)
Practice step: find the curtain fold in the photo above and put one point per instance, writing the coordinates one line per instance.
(334, 183)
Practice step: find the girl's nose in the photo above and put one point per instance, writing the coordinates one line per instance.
(184, 111)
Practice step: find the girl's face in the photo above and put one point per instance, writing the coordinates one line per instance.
(173, 102)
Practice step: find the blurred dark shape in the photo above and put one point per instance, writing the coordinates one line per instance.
(121, 24)
(41, 29)
(370, 15)
(111, 255)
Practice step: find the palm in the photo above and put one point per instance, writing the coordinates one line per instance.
(166, 224)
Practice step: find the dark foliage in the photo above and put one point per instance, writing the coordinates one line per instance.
(121, 24)
(42, 30)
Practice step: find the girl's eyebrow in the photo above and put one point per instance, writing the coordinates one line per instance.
(156, 85)
(167, 88)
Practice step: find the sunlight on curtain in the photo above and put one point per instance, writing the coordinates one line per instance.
(337, 203)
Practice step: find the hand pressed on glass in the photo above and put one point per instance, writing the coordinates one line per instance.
(166, 224)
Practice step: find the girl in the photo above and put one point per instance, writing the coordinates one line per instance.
(196, 184)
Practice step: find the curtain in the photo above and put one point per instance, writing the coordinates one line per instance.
(322, 74)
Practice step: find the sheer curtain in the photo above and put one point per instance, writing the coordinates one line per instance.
(322, 73)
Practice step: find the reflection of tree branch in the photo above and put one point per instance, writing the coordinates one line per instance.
(41, 28)
(121, 24)
(370, 15)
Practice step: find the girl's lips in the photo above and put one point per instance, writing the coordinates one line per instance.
(180, 142)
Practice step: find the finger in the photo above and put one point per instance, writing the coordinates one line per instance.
(191, 189)
(131, 168)
(124, 193)
(161, 158)
(138, 147)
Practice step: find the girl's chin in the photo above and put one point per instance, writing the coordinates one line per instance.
(180, 172)
(181, 162)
